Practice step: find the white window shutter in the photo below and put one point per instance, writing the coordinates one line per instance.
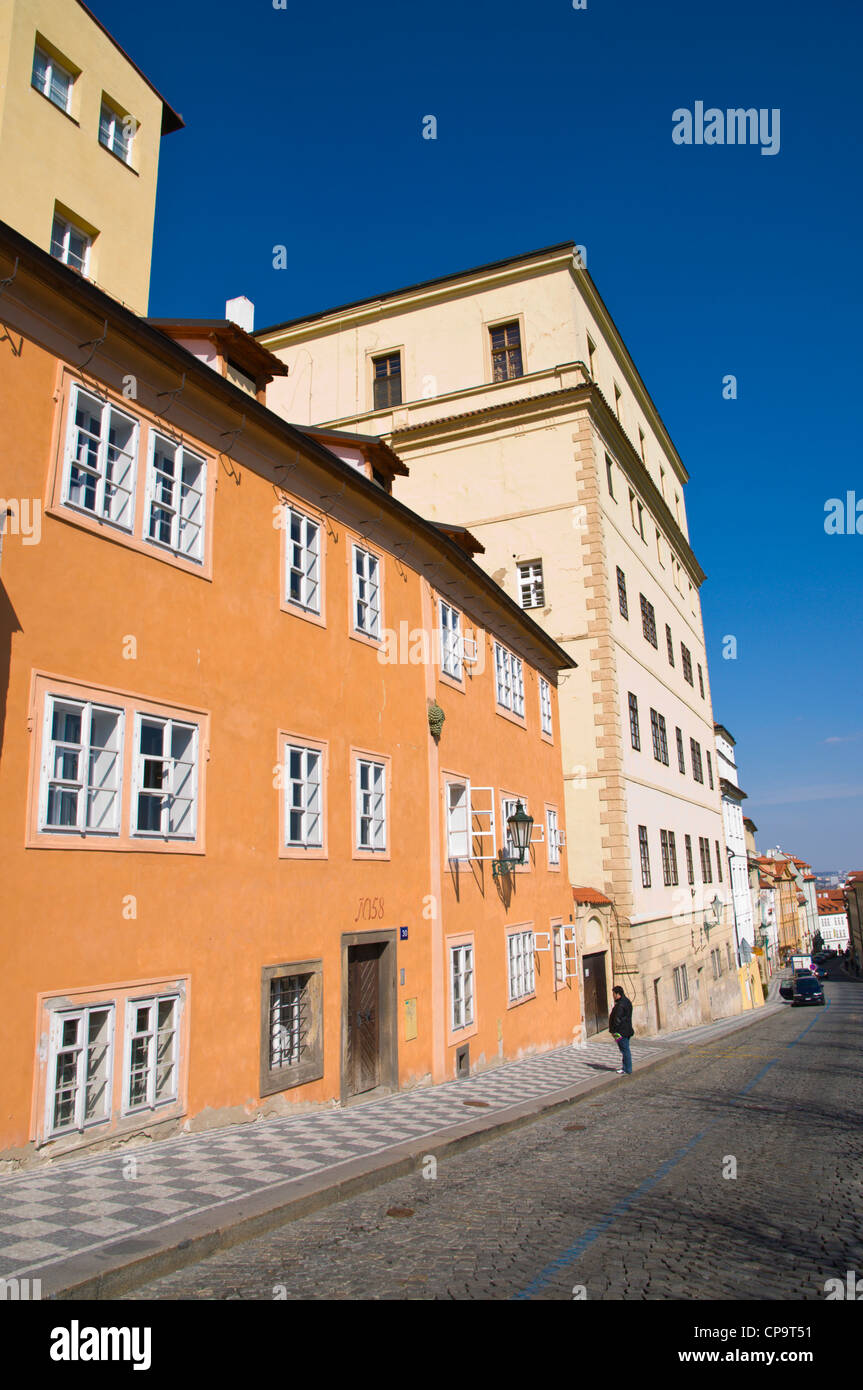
(482, 824)
(469, 653)
(546, 936)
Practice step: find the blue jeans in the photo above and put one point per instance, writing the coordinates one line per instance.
(626, 1054)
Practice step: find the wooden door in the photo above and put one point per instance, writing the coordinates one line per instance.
(364, 1051)
(595, 994)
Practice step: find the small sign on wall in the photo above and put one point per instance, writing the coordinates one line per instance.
(403, 933)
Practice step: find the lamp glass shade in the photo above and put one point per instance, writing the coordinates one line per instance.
(520, 829)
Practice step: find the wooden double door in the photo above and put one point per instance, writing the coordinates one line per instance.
(596, 1008)
(370, 1053)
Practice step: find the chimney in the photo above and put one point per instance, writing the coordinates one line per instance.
(241, 311)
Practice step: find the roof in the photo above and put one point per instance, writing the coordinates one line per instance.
(589, 895)
(463, 537)
(749, 823)
(721, 729)
(171, 119)
(372, 442)
(732, 790)
(230, 337)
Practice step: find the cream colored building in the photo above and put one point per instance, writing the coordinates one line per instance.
(80, 129)
(512, 399)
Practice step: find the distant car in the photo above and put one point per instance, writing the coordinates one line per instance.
(801, 974)
(821, 970)
(807, 992)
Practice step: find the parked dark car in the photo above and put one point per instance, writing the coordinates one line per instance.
(807, 992)
(786, 990)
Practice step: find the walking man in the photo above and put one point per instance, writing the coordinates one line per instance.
(620, 1028)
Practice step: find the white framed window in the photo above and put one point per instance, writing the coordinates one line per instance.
(559, 957)
(367, 592)
(81, 769)
(461, 983)
(101, 459)
(545, 705)
(151, 1052)
(79, 1069)
(371, 809)
(458, 839)
(176, 495)
(164, 778)
(303, 562)
(531, 585)
(553, 837)
(522, 981)
(116, 132)
(509, 679)
(303, 797)
(52, 80)
(70, 244)
(681, 984)
(451, 651)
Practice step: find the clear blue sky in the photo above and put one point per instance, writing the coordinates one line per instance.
(304, 128)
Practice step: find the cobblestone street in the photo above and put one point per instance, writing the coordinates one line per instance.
(632, 1194)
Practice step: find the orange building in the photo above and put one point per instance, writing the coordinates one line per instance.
(245, 865)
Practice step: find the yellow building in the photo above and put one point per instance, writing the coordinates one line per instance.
(80, 128)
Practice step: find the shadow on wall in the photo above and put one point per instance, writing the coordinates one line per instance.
(9, 625)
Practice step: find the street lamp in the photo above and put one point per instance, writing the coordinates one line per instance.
(520, 827)
(732, 855)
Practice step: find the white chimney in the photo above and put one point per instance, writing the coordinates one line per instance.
(241, 311)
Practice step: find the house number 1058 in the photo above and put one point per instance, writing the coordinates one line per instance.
(368, 909)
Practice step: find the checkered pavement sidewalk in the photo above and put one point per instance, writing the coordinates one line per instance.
(50, 1213)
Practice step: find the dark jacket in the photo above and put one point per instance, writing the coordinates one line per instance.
(620, 1018)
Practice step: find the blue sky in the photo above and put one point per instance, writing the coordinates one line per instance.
(304, 129)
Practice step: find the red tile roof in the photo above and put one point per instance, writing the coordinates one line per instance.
(588, 895)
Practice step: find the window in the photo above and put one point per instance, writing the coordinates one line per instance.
(690, 868)
(681, 984)
(461, 977)
(101, 452)
(506, 361)
(591, 356)
(681, 759)
(545, 716)
(367, 594)
(164, 777)
(303, 567)
(530, 584)
(668, 850)
(291, 1025)
(659, 547)
(641, 443)
(52, 80)
(553, 837)
(660, 738)
(81, 767)
(371, 832)
(151, 1052)
(80, 1062)
(669, 644)
(695, 751)
(509, 680)
(709, 770)
(686, 660)
(559, 956)
(617, 400)
(609, 476)
(716, 963)
(303, 814)
(116, 132)
(634, 733)
(70, 244)
(621, 593)
(521, 964)
(637, 513)
(718, 862)
(644, 851)
(704, 850)
(387, 380)
(176, 483)
(450, 641)
(648, 621)
(730, 957)
(701, 680)
(458, 820)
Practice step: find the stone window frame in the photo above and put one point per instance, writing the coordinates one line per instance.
(311, 1068)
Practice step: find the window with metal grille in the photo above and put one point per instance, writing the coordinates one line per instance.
(52, 80)
(545, 705)
(82, 767)
(367, 592)
(387, 380)
(164, 779)
(621, 593)
(176, 491)
(531, 586)
(304, 826)
(101, 454)
(634, 732)
(116, 132)
(704, 850)
(506, 363)
(151, 1052)
(681, 758)
(521, 964)
(303, 561)
(695, 752)
(648, 621)
(461, 983)
(660, 737)
(289, 1020)
(690, 867)
(644, 851)
(70, 244)
(686, 660)
(371, 805)
(670, 645)
(79, 1067)
(509, 679)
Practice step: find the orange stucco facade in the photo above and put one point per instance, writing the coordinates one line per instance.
(168, 923)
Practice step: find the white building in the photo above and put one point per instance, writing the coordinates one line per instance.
(735, 840)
